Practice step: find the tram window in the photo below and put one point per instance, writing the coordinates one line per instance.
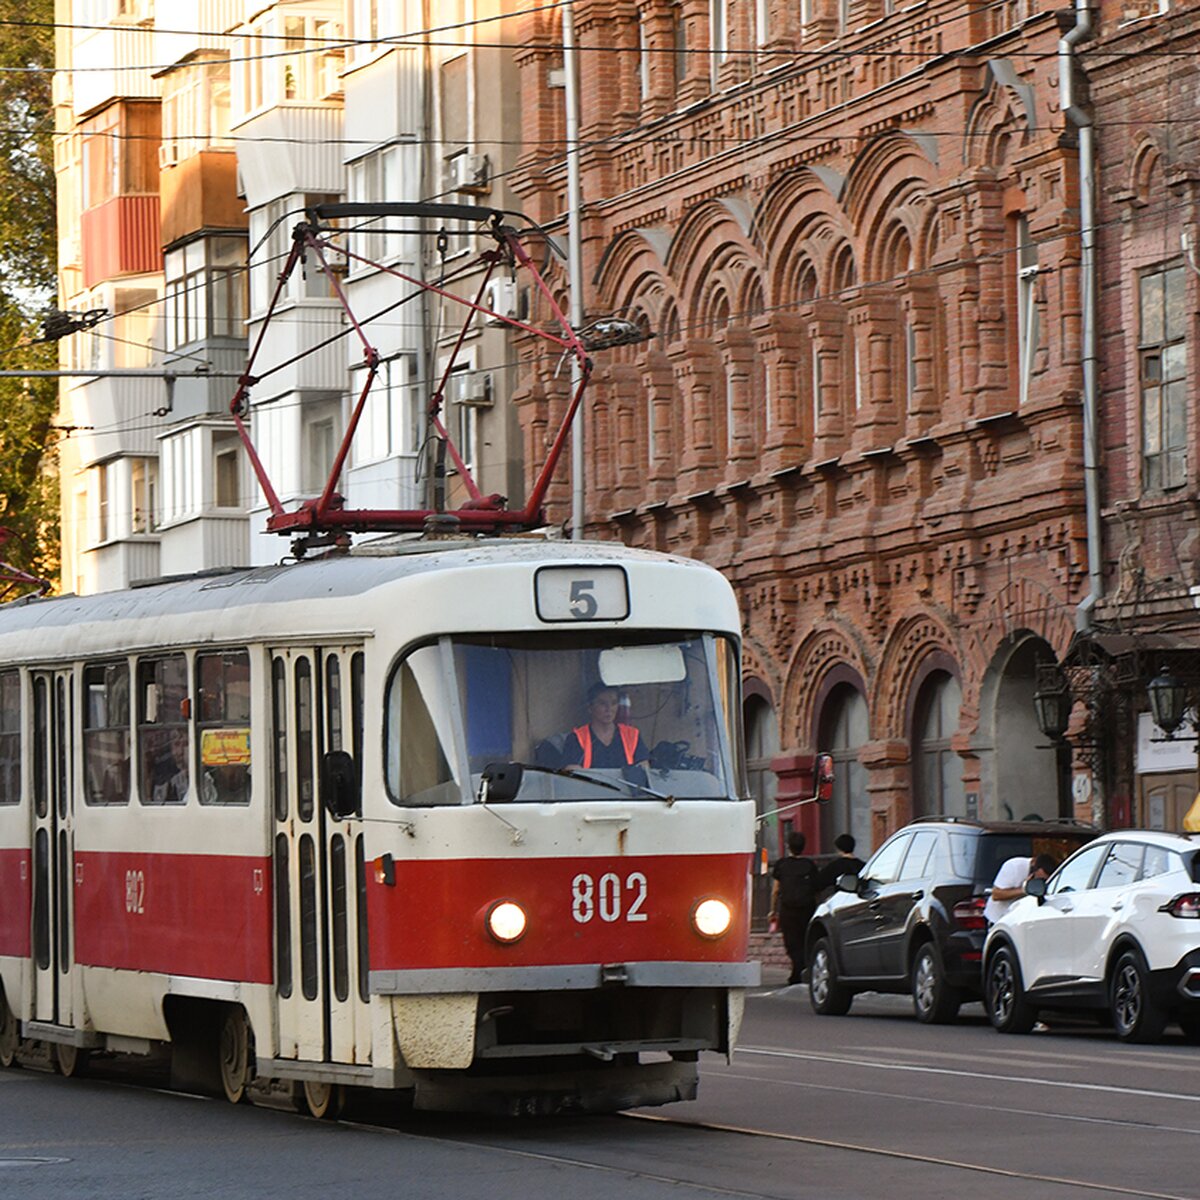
(340, 949)
(333, 703)
(10, 737)
(304, 739)
(223, 727)
(418, 765)
(283, 918)
(106, 733)
(364, 942)
(308, 918)
(279, 764)
(41, 746)
(163, 758)
(357, 665)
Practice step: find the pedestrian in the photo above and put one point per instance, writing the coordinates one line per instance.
(1009, 884)
(846, 863)
(794, 899)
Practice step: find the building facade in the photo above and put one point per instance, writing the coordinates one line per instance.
(1144, 87)
(190, 143)
(853, 232)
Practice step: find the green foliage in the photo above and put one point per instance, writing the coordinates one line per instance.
(28, 480)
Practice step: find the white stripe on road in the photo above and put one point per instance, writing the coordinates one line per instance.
(918, 1098)
(1031, 1080)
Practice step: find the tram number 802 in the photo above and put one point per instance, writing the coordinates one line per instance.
(607, 897)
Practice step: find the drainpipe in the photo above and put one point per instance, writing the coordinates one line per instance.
(574, 254)
(1082, 120)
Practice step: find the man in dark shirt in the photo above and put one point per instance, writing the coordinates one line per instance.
(604, 741)
(794, 899)
(846, 863)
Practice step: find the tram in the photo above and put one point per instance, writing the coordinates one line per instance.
(317, 825)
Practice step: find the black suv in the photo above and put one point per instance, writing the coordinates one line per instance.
(912, 920)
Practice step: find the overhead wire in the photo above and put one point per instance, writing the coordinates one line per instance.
(739, 316)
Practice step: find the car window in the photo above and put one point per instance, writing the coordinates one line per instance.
(1158, 861)
(1076, 873)
(962, 855)
(1121, 866)
(884, 867)
(920, 854)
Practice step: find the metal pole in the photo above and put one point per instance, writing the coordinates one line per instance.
(574, 255)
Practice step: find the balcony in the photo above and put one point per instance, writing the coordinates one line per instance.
(121, 237)
(200, 192)
(201, 25)
(126, 53)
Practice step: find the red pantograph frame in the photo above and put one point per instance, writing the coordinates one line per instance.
(480, 514)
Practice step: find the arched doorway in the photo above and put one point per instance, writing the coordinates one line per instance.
(762, 745)
(842, 732)
(936, 768)
(1028, 776)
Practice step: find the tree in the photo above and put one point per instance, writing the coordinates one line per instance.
(28, 479)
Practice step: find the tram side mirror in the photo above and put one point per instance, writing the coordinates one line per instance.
(501, 782)
(823, 777)
(339, 785)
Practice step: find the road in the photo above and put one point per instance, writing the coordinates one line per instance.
(868, 1105)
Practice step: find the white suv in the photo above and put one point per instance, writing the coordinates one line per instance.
(1115, 929)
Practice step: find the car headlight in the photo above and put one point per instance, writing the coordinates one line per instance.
(712, 918)
(506, 921)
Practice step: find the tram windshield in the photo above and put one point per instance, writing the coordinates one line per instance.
(591, 717)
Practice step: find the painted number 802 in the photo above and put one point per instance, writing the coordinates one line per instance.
(608, 898)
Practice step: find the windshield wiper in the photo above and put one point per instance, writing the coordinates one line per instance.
(503, 781)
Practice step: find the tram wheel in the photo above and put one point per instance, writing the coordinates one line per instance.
(233, 1055)
(323, 1100)
(10, 1039)
(70, 1061)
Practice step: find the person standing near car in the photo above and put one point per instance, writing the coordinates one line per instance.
(794, 900)
(1009, 884)
(846, 863)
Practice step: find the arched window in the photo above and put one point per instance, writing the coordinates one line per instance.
(843, 732)
(937, 770)
(762, 745)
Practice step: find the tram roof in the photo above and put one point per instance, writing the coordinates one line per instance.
(368, 566)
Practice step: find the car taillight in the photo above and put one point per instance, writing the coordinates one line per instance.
(1187, 905)
(969, 913)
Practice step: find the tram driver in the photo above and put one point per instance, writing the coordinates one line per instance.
(604, 740)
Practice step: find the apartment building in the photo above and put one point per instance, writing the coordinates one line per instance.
(192, 139)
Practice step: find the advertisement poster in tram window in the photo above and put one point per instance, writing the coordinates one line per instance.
(225, 748)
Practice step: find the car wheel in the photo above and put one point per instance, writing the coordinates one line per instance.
(1136, 1017)
(826, 995)
(935, 1001)
(1007, 1008)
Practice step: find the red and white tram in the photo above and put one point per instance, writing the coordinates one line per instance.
(311, 824)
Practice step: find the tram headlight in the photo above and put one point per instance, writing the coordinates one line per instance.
(506, 921)
(712, 918)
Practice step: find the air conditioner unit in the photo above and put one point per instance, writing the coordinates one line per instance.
(469, 173)
(501, 298)
(469, 387)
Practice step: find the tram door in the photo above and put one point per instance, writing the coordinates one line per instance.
(53, 846)
(319, 869)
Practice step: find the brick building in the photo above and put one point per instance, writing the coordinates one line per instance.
(1143, 84)
(854, 232)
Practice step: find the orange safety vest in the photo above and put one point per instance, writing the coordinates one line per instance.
(629, 741)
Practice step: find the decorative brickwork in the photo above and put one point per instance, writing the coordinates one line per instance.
(829, 247)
